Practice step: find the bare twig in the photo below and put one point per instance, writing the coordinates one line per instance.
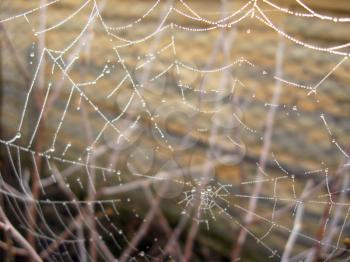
(164, 224)
(192, 234)
(161, 177)
(264, 154)
(75, 224)
(225, 43)
(7, 225)
(14, 251)
(145, 225)
(18, 62)
(297, 226)
(175, 236)
(32, 214)
(326, 236)
(1, 95)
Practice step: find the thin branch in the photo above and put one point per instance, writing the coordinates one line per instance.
(19, 64)
(328, 235)
(161, 177)
(164, 223)
(32, 214)
(242, 235)
(175, 236)
(74, 224)
(297, 226)
(224, 42)
(192, 234)
(145, 225)
(15, 251)
(7, 225)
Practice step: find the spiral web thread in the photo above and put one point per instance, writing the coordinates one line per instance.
(91, 164)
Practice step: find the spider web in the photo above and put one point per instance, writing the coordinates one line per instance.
(117, 121)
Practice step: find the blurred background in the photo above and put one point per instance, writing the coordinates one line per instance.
(174, 130)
